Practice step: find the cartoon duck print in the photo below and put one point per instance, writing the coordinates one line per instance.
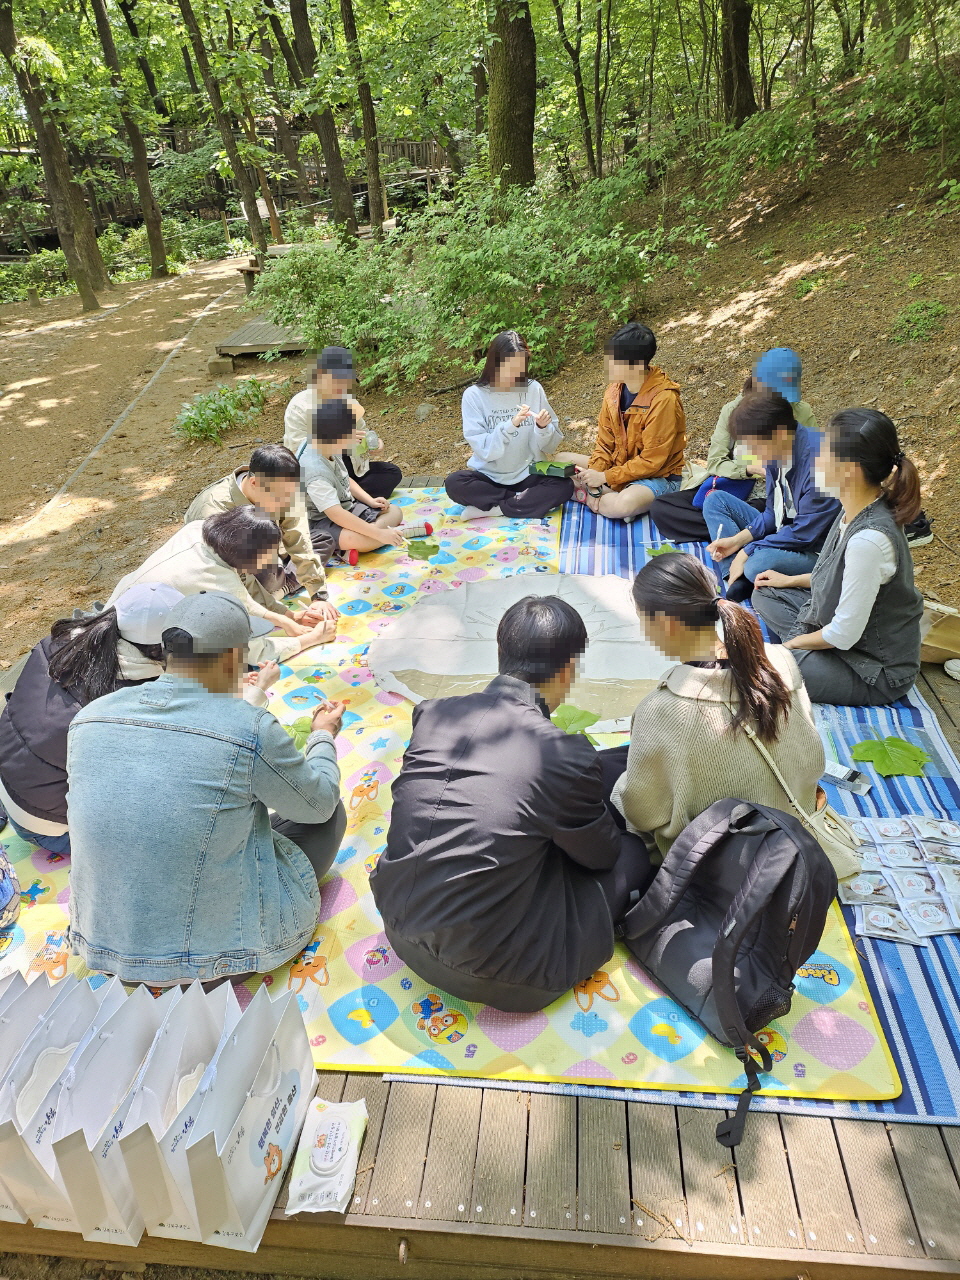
(51, 959)
(597, 985)
(670, 1034)
(28, 897)
(273, 1162)
(368, 788)
(774, 1043)
(439, 1022)
(309, 966)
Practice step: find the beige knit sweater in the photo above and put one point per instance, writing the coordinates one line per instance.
(683, 757)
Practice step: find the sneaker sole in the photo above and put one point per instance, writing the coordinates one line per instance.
(922, 541)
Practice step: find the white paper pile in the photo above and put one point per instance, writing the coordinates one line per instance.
(909, 888)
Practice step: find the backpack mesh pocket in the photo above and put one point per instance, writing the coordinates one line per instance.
(773, 1003)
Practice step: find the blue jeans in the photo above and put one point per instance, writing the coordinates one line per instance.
(726, 515)
(659, 485)
(52, 844)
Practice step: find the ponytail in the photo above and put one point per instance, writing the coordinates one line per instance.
(762, 697)
(869, 438)
(84, 654)
(678, 586)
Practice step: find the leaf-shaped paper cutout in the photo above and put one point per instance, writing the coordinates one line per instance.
(421, 549)
(664, 550)
(572, 719)
(892, 757)
(300, 730)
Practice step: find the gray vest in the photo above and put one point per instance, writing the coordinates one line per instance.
(891, 639)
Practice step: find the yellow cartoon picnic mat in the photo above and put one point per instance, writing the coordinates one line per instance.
(365, 1011)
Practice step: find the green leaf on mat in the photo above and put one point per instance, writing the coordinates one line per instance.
(664, 550)
(300, 730)
(420, 549)
(892, 756)
(572, 720)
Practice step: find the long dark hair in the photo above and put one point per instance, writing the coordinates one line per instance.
(679, 586)
(83, 654)
(508, 343)
(240, 535)
(869, 438)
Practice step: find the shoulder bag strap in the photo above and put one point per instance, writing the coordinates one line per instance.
(794, 802)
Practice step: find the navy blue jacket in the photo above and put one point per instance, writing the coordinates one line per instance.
(816, 512)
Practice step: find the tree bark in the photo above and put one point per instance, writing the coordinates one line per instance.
(573, 53)
(302, 65)
(371, 143)
(512, 99)
(126, 8)
(480, 91)
(57, 174)
(288, 143)
(248, 196)
(141, 165)
(739, 101)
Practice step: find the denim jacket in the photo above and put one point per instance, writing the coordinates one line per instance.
(176, 873)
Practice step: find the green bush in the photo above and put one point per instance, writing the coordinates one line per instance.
(45, 271)
(208, 415)
(918, 322)
(558, 267)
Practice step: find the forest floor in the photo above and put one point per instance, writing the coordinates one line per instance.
(824, 267)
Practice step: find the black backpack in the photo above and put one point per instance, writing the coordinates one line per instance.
(738, 905)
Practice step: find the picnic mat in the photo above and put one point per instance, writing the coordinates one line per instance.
(592, 544)
(365, 1011)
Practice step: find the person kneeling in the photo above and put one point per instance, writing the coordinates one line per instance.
(505, 872)
(176, 873)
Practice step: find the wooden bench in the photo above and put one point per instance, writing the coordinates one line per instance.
(250, 272)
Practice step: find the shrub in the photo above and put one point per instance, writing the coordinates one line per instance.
(210, 413)
(918, 322)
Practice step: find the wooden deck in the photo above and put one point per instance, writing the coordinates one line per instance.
(490, 1183)
(259, 335)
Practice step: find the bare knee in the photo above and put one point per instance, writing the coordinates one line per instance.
(351, 541)
(390, 518)
(628, 502)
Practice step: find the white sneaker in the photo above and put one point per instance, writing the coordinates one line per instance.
(475, 513)
(952, 667)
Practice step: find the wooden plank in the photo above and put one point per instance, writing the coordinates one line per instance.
(603, 1166)
(931, 1186)
(886, 1220)
(943, 695)
(501, 1157)
(656, 1175)
(374, 1092)
(451, 1154)
(951, 1138)
(826, 1210)
(398, 1171)
(766, 1192)
(709, 1177)
(550, 1201)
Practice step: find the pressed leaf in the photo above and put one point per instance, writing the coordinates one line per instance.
(892, 756)
(300, 730)
(666, 549)
(421, 549)
(573, 719)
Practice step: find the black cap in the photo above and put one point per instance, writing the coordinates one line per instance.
(336, 360)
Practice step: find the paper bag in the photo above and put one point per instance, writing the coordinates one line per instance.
(12, 986)
(255, 1101)
(30, 1089)
(153, 1145)
(939, 633)
(97, 1081)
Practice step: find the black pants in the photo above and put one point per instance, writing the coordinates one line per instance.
(320, 841)
(380, 481)
(533, 498)
(676, 517)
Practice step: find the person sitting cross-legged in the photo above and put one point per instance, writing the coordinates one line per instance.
(179, 872)
(505, 871)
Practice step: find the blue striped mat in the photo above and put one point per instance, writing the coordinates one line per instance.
(916, 990)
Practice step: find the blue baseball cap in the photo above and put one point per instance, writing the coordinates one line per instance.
(780, 369)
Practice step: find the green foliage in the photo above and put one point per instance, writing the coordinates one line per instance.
(557, 266)
(573, 719)
(807, 286)
(892, 757)
(665, 549)
(918, 321)
(300, 730)
(211, 413)
(421, 549)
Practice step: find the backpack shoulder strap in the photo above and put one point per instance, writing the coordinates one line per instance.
(678, 869)
(753, 897)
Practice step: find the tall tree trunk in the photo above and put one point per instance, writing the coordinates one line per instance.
(481, 89)
(512, 100)
(573, 53)
(250, 128)
(53, 156)
(601, 76)
(288, 143)
(191, 74)
(248, 196)
(302, 64)
(739, 101)
(371, 143)
(126, 8)
(141, 165)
